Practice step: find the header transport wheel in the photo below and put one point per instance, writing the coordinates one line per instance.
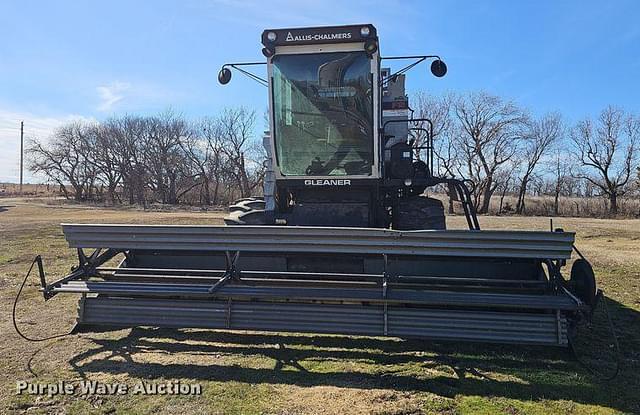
(583, 282)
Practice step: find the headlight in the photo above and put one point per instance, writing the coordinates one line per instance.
(370, 46)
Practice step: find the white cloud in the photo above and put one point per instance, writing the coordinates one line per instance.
(111, 94)
(35, 126)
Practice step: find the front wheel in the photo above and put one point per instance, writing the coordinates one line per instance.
(247, 211)
(417, 213)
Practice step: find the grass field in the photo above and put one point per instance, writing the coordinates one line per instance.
(289, 374)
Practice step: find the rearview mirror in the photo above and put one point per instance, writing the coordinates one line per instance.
(438, 68)
(224, 76)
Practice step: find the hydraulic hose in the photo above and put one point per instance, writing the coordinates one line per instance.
(15, 304)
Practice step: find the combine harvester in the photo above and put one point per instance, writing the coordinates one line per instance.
(343, 241)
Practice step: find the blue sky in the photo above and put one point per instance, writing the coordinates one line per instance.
(64, 60)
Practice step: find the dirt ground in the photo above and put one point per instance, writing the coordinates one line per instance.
(250, 372)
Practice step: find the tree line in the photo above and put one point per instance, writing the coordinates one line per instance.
(495, 143)
(163, 158)
(504, 150)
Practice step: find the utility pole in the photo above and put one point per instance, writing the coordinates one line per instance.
(21, 151)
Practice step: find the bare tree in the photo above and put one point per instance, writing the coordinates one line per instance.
(490, 131)
(607, 151)
(505, 178)
(541, 134)
(64, 159)
(211, 131)
(243, 153)
(107, 160)
(561, 178)
(438, 110)
(129, 137)
(203, 149)
(164, 157)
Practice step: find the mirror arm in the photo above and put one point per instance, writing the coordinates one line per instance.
(419, 59)
(250, 75)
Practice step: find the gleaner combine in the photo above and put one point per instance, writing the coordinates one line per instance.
(343, 240)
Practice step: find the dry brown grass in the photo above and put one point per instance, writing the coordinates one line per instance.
(584, 207)
(257, 372)
(28, 190)
(596, 207)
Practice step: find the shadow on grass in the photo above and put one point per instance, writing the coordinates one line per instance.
(5, 208)
(446, 369)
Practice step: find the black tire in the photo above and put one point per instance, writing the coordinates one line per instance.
(583, 282)
(250, 217)
(246, 211)
(416, 213)
(239, 208)
(254, 204)
(247, 199)
(247, 205)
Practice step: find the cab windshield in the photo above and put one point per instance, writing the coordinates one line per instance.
(323, 114)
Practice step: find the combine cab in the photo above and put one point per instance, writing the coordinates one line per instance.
(343, 240)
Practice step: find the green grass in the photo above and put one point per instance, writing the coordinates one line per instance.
(300, 373)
